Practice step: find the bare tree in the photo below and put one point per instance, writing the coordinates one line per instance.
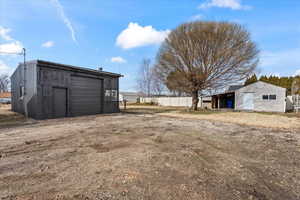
(158, 87)
(200, 56)
(144, 81)
(4, 83)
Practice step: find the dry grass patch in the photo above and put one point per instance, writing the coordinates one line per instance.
(9, 118)
(245, 118)
(267, 120)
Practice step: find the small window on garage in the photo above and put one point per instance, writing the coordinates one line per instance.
(107, 93)
(114, 95)
(111, 95)
(272, 97)
(265, 97)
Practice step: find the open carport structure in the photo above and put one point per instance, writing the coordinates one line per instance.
(225, 100)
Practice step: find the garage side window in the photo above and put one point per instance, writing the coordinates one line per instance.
(272, 97)
(114, 95)
(265, 97)
(107, 93)
(269, 97)
(111, 95)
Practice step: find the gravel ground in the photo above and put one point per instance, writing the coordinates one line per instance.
(141, 154)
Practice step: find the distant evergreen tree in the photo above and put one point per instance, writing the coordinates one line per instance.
(264, 79)
(285, 82)
(251, 80)
(296, 85)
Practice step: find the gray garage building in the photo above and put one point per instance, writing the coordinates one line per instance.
(43, 90)
(258, 96)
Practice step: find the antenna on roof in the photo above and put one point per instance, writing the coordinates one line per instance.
(100, 69)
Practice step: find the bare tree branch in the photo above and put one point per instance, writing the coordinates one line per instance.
(4, 83)
(144, 80)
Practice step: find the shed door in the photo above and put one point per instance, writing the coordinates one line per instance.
(59, 102)
(248, 102)
(85, 96)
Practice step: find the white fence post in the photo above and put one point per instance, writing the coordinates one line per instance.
(296, 103)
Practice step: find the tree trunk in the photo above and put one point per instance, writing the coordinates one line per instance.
(195, 100)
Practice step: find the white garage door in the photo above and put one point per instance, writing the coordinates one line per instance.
(248, 101)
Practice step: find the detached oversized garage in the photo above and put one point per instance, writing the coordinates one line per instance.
(43, 90)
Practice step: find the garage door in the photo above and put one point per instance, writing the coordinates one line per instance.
(248, 103)
(85, 96)
(59, 102)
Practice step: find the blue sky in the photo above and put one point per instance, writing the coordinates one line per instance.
(118, 34)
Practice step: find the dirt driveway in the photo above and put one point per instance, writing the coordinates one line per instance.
(141, 154)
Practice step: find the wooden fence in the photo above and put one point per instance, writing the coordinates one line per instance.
(296, 101)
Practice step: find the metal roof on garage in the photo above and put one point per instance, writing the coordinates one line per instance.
(73, 68)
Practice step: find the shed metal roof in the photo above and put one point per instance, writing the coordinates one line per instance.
(233, 88)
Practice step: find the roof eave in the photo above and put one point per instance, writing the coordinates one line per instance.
(53, 64)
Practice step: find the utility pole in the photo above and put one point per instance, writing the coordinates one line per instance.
(24, 80)
(24, 67)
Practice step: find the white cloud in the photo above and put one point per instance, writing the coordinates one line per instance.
(118, 60)
(4, 33)
(297, 73)
(197, 17)
(232, 4)
(65, 19)
(136, 36)
(5, 69)
(48, 44)
(8, 49)
(11, 48)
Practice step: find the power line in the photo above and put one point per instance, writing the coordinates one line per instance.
(10, 53)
